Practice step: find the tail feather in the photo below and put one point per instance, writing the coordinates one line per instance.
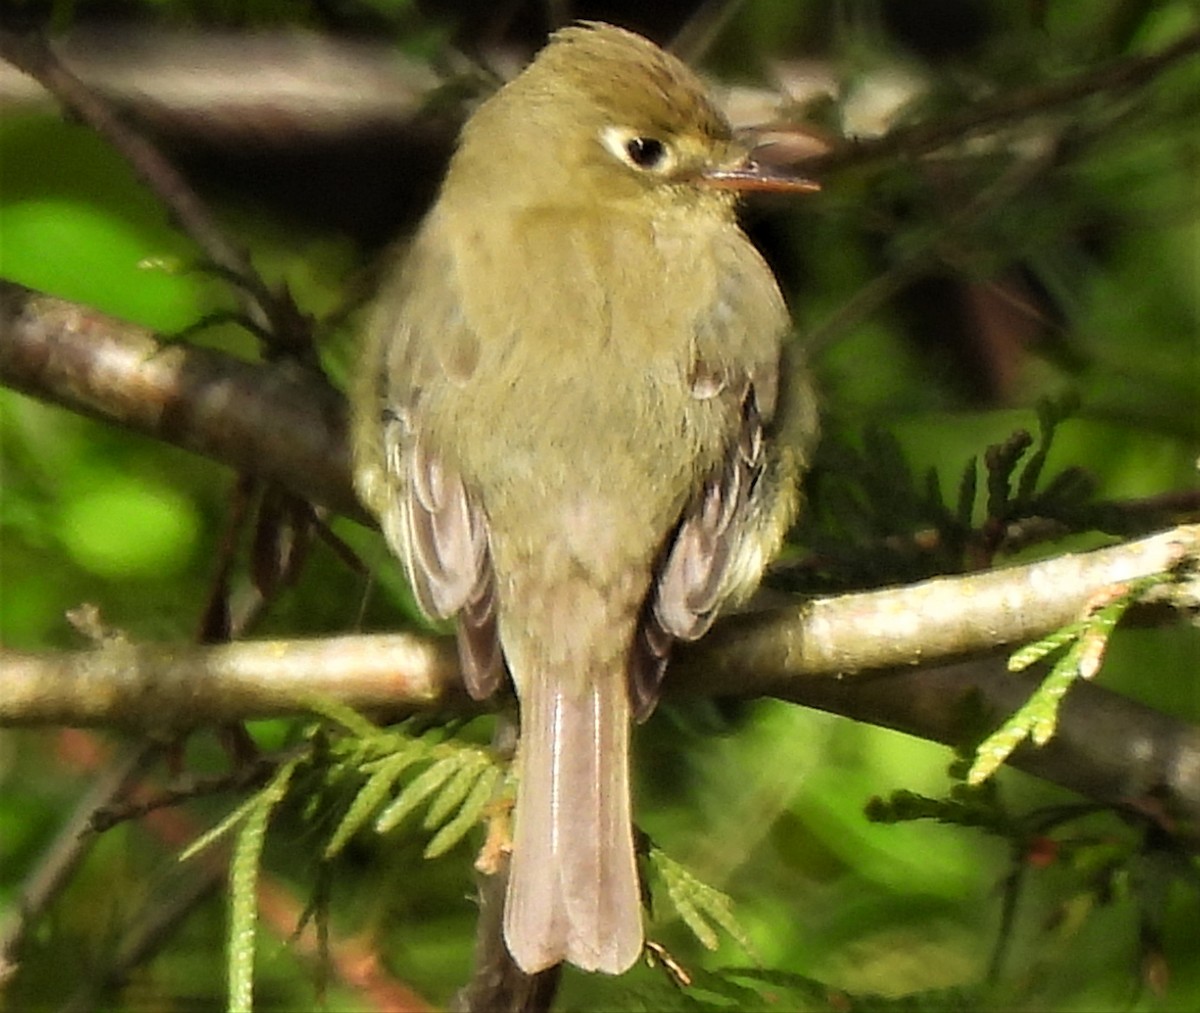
(573, 887)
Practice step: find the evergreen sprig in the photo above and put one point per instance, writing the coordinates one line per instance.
(1085, 642)
(250, 819)
(874, 520)
(401, 768)
(703, 908)
(407, 767)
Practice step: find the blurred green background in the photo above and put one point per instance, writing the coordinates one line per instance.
(1085, 282)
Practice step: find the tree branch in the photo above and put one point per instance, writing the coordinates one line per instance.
(933, 622)
(1106, 747)
(178, 687)
(278, 421)
(770, 653)
(248, 87)
(30, 53)
(290, 88)
(1017, 106)
(854, 654)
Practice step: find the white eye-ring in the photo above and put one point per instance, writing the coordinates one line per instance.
(643, 152)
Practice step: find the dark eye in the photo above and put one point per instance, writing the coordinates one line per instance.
(639, 151)
(645, 152)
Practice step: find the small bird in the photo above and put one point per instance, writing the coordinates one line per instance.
(568, 421)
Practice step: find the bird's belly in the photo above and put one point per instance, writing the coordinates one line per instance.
(596, 471)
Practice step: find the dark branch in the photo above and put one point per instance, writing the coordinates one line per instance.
(276, 421)
(59, 860)
(1011, 108)
(30, 53)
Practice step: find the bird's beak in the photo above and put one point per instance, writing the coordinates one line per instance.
(753, 176)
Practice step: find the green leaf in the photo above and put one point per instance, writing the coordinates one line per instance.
(472, 811)
(371, 796)
(1031, 653)
(455, 791)
(220, 830)
(700, 905)
(339, 714)
(417, 792)
(1085, 641)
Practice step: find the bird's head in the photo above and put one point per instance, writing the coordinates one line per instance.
(603, 116)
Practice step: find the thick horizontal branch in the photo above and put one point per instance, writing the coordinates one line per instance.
(1106, 747)
(771, 653)
(161, 687)
(934, 622)
(844, 654)
(278, 421)
(284, 423)
(283, 87)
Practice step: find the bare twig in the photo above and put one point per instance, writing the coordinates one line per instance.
(52, 349)
(497, 983)
(248, 775)
(29, 52)
(288, 422)
(174, 688)
(933, 622)
(1012, 107)
(61, 857)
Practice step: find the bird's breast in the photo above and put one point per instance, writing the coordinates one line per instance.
(588, 414)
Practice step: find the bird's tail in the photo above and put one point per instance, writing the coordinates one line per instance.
(573, 885)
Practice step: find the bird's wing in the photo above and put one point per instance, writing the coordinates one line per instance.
(431, 520)
(704, 563)
(736, 521)
(446, 555)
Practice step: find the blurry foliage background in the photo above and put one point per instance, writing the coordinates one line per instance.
(764, 801)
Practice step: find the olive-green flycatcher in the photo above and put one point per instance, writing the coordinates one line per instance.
(568, 422)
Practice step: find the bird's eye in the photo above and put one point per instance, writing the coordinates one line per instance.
(639, 151)
(646, 152)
